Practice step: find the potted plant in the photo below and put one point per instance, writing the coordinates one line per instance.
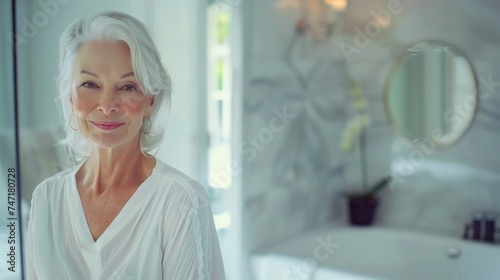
(362, 205)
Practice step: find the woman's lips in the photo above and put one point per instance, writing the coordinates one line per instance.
(107, 125)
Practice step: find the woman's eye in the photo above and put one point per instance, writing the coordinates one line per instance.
(129, 88)
(88, 85)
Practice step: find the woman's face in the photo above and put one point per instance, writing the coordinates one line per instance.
(107, 102)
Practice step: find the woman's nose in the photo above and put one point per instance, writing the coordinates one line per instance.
(108, 102)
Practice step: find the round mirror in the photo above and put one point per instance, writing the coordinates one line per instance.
(431, 93)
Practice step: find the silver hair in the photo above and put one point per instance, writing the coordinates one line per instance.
(153, 79)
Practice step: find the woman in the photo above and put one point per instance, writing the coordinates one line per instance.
(120, 213)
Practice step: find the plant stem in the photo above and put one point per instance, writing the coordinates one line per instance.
(362, 155)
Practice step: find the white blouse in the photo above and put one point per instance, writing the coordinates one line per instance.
(164, 231)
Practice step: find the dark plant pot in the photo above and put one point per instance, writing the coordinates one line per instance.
(362, 210)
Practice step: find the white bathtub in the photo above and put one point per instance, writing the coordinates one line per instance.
(376, 253)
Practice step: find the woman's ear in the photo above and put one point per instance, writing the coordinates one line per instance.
(150, 107)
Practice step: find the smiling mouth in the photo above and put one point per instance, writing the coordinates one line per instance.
(107, 125)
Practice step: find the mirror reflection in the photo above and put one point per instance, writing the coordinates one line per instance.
(431, 93)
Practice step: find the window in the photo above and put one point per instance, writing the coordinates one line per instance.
(219, 107)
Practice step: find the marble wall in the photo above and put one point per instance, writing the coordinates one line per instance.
(294, 112)
(294, 170)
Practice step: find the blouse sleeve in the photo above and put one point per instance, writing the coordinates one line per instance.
(190, 245)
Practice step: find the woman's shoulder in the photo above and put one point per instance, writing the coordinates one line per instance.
(54, 183)
(180, 185)
(166, 170)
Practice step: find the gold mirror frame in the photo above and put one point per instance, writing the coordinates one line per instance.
(436, 138)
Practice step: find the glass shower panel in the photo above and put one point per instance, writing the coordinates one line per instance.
(10, 212)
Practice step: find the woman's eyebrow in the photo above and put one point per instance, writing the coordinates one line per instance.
(88, 73)
(95, 75)
(127, 75)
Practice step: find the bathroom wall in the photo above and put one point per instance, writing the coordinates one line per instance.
(290, 175)
(294, 110)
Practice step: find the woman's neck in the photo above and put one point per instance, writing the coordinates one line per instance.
(112, 169)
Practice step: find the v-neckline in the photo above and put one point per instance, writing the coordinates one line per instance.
(86, 233)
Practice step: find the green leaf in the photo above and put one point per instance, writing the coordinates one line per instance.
(380, 185)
